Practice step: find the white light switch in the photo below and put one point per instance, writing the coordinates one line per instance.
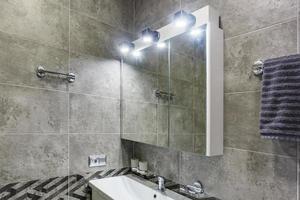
(97, 160)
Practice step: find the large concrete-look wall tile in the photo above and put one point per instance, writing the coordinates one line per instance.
(200, 143)
(147, 12)
(246, 16)
(160, 160)
(83, 145)
(94, 114)
(30, 157)
(199, 114)
(19, 59)
(183, 44)
(150, 59)
(113, 12)
(192, 5)
(242, 175)
(162, 119)
(89, 36)
(26, 110)
(181, 121)
(38, 20)
(183, 91)
(139, 118)
(65, 3)
(139, 85)
(242, 126)
(182, 142)
(182, 67)
(96, 76)
(242, 51)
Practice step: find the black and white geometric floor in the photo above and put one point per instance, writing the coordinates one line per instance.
(71, 187)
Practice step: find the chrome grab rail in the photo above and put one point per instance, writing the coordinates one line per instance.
(41, 73)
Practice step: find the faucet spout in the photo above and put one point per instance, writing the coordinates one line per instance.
(161, 184)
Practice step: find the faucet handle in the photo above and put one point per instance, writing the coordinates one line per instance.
(196, 188)
(199, 185)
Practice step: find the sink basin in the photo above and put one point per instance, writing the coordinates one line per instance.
(129, 187)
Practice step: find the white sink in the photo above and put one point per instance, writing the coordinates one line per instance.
(128, 188)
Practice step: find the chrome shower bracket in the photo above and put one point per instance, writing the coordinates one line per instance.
(41, 73)
(258, 67)
(162, 94)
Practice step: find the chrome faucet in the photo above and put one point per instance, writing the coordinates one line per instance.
(196, 188)
(161, 183)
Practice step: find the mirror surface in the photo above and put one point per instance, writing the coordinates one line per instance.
(164, 94)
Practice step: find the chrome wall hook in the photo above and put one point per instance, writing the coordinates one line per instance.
(258, 67)
(41, 73)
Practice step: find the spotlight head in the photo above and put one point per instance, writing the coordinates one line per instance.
(150, 36)
(183, 19)
(126, 47)
(161, 45)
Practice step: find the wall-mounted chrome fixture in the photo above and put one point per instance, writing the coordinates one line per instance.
(183, 19)
(258, 67)
(41, 73)
(150, 36)
(164, 95)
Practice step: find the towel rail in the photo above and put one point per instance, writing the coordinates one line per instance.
(41, 73)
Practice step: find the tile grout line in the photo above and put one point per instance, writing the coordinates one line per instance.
(67, 91)
(263, 28)
(179, 167)
(243, 92)
(263, 153)
(68, 98)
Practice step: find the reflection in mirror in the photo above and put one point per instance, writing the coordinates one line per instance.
(188, 83)
(164, 94)
(144, 115)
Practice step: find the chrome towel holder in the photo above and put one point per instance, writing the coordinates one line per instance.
(258, 67)
(41, 73)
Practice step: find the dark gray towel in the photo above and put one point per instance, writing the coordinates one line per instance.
(280, 99)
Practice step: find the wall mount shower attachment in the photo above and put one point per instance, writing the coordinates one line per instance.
(258, 67)
(163, 94)
(41, 72)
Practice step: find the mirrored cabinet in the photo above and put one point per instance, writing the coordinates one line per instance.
(172, 89)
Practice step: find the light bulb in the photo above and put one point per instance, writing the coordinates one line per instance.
(147, 39)
(150, 36)
(126, 47)
(181, 22)
(183, 19)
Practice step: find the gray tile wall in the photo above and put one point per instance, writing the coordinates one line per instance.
(48, 127)
(251, 168)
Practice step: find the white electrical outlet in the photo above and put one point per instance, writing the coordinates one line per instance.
(97, 160)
